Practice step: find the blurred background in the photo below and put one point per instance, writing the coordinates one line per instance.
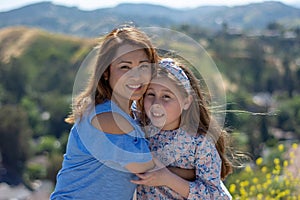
(255, 45)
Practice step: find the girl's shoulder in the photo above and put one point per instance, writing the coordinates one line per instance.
(197, 138)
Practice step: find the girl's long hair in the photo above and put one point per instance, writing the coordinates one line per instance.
(198, 117)
(98, 89)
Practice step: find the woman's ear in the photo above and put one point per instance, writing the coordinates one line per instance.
(105, 75)
(187, 102)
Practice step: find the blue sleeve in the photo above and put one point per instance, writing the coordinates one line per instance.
(120, 149)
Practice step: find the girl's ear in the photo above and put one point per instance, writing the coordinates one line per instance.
(187, 102)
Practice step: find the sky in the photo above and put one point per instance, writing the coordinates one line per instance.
(6, 5)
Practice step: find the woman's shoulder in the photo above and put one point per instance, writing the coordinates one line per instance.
(111, 122)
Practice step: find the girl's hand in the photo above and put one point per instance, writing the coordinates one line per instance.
(155, 177)
(161, 176)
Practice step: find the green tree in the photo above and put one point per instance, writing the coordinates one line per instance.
(15, 134)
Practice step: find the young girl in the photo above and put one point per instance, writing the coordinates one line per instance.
(182, 134)
(106, 147)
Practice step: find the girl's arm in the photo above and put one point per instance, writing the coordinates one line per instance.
(161, 176)
(207, 185)
(187, 174)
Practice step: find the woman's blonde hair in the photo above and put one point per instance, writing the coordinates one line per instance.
(98, 88)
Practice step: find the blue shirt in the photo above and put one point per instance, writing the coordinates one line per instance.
(93, 166)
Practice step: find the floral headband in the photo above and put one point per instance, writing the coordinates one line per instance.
(169, 64)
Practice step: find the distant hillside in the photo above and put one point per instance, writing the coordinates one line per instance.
(71, 20)
(39, 60)
(17, 41)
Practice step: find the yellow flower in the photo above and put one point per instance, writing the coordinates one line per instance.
(287, 182)
(259, 161)
(243, 192)
(285, 163)
(255, 180)
(272, 192)
(276, 161)
(259, 196)
(264, 169)
(248, 168)
(281, 147)
(244, 183)
(232, 188)
(258, 186)
(295, 145)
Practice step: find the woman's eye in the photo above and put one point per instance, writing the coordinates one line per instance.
(145, 67)
(124, 67)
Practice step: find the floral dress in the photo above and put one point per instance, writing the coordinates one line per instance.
(177, 148)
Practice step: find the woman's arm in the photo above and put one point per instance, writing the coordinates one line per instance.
(137, 168)
(115, 124)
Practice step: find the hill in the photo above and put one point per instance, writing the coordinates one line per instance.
(73, 21)
(36, 62)
(17, 41)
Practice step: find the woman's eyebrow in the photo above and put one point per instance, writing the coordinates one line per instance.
(144, 61)
(130, 62)
(124, 61)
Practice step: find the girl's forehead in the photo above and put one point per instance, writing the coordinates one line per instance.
(164, 83)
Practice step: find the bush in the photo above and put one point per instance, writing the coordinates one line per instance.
(265, 180)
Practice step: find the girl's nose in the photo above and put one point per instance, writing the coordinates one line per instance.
(156, 103)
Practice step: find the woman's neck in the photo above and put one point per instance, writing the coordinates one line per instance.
(123, 104)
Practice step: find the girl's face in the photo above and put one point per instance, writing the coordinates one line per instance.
(130, 74)
(164, 103)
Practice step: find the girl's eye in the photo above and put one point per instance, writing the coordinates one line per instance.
(166, 97)
(150, 94)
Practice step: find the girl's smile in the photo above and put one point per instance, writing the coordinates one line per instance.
(164, 104)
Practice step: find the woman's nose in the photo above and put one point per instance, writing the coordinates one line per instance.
(135, 73)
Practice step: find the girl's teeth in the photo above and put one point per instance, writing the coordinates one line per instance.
(157, 114)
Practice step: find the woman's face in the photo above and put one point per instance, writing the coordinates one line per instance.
(163, 104)
(130, 74)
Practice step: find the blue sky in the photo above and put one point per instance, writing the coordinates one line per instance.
(6, 5)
